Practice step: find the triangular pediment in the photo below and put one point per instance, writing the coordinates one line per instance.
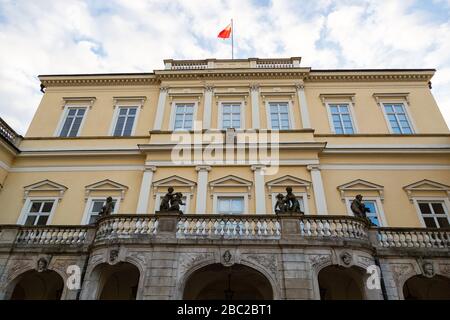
(174, 181)
(45, 185)
(288, 181)
(360, 184)
(426, 185)
(230, 181)
(106, 185)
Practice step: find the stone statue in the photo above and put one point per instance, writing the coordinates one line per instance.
(176, 202)
(346, 258)
(288, 203)
(280, 205)
(107, 209)
(428, 269)
(166, 200)
(292, 203)
(41, 265)
(358, 207)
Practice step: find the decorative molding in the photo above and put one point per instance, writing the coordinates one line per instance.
(105, 186)
(360, 185)
(332, 96)
(89, 101)
(140, 99)
(173, 181)
(45, 185)
(269, 262)
(425, 185)
(385, 96)
(289, 181)
(125, 80)
(235, 182)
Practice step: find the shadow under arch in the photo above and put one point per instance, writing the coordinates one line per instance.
(419, 287)
(34, 285)
(114, 282)
(217, 282)
(339, 283)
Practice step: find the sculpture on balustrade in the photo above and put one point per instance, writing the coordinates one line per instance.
(171, 201)
(359, 209)
(108, 208)
(288, 203)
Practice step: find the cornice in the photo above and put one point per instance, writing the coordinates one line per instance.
(78, 81)
(370, 76)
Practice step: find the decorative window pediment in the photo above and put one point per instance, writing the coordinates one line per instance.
(289, 181)
(45, 186)
(174, 181)
(360, 185)
(232, 182)
(106, 186)
(424, 186)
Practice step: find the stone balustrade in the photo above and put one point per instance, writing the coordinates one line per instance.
(126, 226)
(8, 133)
(413, 238)
(225, 227)
(229, 227)
(53, 235)
(344, 227)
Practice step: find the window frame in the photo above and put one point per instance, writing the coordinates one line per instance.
(218, 195)
(407, 113)
(64, 115)
(380, 214)
(444, 200)
(303, 195)
(351, 113)
(290, 113)
(160, 195)
(89, 203)
(27, 206)
(242, 114)
(116, 117)
(173, 113)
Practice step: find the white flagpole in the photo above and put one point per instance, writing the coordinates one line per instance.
(232, 40)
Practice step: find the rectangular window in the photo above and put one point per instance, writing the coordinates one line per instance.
(184, 116)
(434, 214)
(125, 121)
(39, 212)
(96, 207)
(230, 205)
(398, 120)
(279, 115)
(231, 115)
(341, 118)
(72, 122)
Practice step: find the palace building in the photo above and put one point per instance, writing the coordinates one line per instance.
(228, 136)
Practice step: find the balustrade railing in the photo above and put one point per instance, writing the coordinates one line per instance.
(413, 238)
(276, 64)
(126, 226)
(229, 227)
(8, 133)
(333, 227)
(189, 65)
(52, 235)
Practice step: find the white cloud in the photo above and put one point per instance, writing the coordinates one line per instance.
(75, 36)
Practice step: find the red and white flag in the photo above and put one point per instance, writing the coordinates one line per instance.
(225, 33)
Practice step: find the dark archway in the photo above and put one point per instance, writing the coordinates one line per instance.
(339, 283)
(118, 282)
(216, 282)
(423, 288)
(33, 285)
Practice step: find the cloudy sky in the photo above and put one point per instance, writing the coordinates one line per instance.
(90, 36)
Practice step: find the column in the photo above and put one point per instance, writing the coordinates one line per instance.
(207, 107)
(319, 192)
(160, 108)
(202, 188)
(254, 89)
(144, 193)
(260, 191)
(303, 106)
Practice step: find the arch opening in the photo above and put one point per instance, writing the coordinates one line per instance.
(118, 282)
(217, 282)
(422, 288)
(339, 283)
(34, 285)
